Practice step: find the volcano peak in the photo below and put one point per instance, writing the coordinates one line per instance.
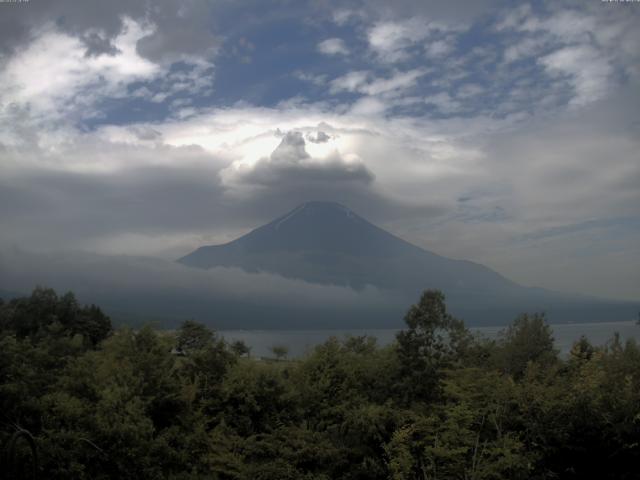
(315, 210)
(324, 242)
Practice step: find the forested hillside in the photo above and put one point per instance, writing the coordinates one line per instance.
(439, 403)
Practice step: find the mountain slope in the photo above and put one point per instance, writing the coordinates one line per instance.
(326, 243)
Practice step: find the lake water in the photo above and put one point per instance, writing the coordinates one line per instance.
(300, 342)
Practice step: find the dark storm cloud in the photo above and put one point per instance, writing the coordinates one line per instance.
(17, 22)
(67, 206)
(290, 176)
(52, 209)
(183, 28)
(334, 171)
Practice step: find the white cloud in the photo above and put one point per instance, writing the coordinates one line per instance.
(318, 80)
(350, 82)
(400, 81)
(444, 103)
(514, 18)
(368, 106)
(290, 164)
(439, 48)
(365, 83)
(68, 78)
(582, 46)
(75, 83)
(587, 71)
(343, 16)
(392, 40)
(469, 90)
(333, 46)
(527, 48)
(569, 26)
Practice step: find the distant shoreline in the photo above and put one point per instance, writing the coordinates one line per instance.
(301, 341)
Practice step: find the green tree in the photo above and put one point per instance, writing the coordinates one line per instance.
(527, 339)
(44, 314)
(206, 363)
(581, 350)
(257, 397)
(240, 348)
(280, 351)
(128, 407)
(432, 341)
(453, 442)
(193, 336)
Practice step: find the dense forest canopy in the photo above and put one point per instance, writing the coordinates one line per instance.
(438, 403)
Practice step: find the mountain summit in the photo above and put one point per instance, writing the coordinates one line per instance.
(313, 226)
(325, 242)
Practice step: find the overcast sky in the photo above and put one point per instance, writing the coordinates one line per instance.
(508, 136)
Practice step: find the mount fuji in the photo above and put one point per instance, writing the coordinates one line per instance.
(327, 243)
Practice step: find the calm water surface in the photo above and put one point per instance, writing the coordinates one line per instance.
(300, 342)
